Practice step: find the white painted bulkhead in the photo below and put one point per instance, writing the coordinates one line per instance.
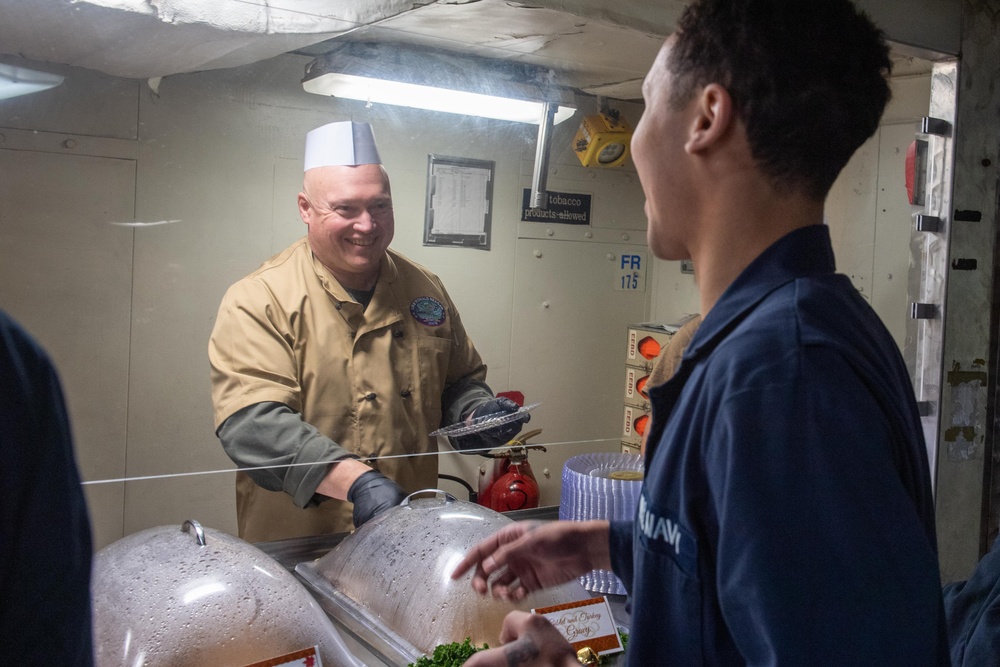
(126, 310)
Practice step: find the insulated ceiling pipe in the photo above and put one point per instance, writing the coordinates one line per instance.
(539, 178)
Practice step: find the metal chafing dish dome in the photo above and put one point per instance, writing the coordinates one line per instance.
(183, 596)
(391, 579)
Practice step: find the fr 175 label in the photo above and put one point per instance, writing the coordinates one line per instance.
(630, 273)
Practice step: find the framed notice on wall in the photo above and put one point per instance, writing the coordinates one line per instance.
(459, 202)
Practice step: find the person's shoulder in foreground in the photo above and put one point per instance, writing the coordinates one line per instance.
(786, 512)
(784, 516)
(45, 544)
(794, 463)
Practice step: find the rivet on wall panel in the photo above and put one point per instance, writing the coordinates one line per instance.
(611, 257)
(550, 232)
(538, 253)
(588, 235)
(624, 237)
(69, 143)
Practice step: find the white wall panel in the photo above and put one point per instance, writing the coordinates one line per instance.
(850, 214)
(220, 153)
(674, 294)
(868, 213)
(65, 274)
(893, 229)
(568, 342)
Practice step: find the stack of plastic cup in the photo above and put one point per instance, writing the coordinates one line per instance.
(601, 485)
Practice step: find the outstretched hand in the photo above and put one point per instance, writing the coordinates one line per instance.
(528, 640)
(527, 556)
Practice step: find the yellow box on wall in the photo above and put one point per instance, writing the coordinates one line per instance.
(602, 140)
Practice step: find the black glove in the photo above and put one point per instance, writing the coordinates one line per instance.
(494, 437)
(373, 493)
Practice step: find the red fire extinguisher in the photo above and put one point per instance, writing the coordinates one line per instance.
(507, 483)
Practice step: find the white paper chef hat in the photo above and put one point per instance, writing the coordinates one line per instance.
(342, 143)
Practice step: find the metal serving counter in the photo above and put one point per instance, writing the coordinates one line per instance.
(363, 644)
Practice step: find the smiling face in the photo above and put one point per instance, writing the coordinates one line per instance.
(349, 214)
(658, 151)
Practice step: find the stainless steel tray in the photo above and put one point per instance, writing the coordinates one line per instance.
(378, 646)
(357, 620)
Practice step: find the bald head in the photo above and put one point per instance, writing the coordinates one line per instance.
(349, 214)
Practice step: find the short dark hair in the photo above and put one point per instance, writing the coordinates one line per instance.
(808, 78)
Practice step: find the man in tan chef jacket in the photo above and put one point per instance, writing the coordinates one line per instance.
(334, 360)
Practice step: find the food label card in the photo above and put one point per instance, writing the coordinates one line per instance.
(308, 657)
(585, 623)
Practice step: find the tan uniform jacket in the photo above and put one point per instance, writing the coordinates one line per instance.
(372, 380)
(669, 360)
(670, 356)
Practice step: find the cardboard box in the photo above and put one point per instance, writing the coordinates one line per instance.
(630, 448)
(635, 421)
(635, 387)
(645, 341)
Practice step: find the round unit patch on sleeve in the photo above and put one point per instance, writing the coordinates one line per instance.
(427, 311)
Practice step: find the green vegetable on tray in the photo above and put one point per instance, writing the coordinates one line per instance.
(623, 636)
(455, 654)
(450, 655)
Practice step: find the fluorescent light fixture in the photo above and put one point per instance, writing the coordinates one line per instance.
(15, 81)
(437, 81)
(420, 96)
